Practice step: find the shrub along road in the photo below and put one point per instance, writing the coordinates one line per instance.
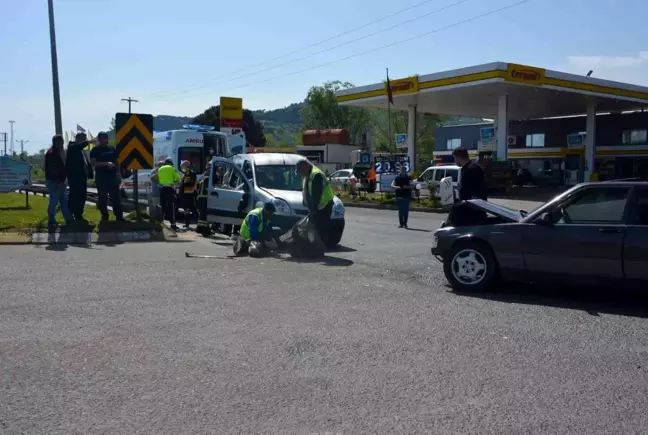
(139, 339)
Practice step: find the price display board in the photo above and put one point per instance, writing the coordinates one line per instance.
(391, 164)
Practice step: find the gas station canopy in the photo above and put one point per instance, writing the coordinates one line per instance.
(475, 91)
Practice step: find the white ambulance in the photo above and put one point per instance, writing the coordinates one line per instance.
(195, 143)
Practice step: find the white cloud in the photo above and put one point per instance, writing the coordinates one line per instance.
(608, 61)
(629, 69)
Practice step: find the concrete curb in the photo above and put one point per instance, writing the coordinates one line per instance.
(393, 207)
(83, 238)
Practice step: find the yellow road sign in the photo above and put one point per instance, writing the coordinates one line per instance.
(134, 140)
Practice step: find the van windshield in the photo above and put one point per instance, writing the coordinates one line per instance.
(279, 177)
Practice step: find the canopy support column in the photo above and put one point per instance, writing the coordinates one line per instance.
(411, 136)
(590, 143)
(502, 128)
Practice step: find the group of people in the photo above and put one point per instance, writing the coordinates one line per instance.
(471, 186)
(73, 168)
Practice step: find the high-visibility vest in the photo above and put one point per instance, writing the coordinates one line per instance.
(203, 185)
(167, 175)
(244, 232)
(327, 192)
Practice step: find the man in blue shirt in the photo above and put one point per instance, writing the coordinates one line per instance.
(104, 158)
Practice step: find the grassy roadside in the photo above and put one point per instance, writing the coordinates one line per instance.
(15, 218)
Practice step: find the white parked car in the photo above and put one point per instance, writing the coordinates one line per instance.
(429, 181)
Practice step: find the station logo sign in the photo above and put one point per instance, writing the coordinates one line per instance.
(408, 85)
(525, 74)
(231, 112)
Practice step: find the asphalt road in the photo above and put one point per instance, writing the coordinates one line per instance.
(138, 339)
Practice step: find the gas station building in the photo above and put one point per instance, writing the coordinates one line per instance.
(537, 114)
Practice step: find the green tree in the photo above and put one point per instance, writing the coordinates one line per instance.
(254, 131)
(426, 125)
(322, 111)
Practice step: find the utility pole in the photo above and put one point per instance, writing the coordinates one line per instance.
(22, 148)
(129, 100)
(11, 140)
(58, 124)
(4, 138)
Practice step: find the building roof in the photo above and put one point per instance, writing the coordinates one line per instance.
(473, 91)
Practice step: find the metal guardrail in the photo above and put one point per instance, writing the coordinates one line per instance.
(91, 195)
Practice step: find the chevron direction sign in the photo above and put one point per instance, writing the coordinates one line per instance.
(134, 140)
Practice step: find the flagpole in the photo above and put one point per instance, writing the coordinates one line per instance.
(389, 133)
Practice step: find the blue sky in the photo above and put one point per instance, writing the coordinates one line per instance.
(179, 57)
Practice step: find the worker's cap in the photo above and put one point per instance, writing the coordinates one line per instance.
(168, 161)
(185, 163)
(269, 207)
(102, 135)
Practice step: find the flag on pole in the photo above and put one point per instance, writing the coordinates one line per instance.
(67, 138)
(80, 129)
(390, 97)
(90, 137)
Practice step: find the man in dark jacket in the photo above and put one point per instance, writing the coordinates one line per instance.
(79, 171)
(107, 177)
(472, 185)
(55, 176)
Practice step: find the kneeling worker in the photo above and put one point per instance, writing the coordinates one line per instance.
(256, 230)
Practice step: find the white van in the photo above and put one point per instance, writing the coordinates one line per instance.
(430, 179)
(236, 185)
(193, 145)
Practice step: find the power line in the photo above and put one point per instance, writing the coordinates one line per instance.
(198, 86)
(402, 41)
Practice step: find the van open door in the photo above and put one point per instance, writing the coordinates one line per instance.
(446, 192)
(230, 193)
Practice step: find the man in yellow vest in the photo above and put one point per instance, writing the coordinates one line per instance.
(318, 196)
(255, 231)
(168, 179)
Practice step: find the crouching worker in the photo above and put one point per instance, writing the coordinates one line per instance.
(256, 231)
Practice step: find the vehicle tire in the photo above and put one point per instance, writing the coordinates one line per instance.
(470, 266)
(332, 239)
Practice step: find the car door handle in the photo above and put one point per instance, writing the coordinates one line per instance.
(213, 193)
(609, 230)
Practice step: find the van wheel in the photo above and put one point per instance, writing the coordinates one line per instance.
(470, 266)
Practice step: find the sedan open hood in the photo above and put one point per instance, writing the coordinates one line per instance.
(508, 214)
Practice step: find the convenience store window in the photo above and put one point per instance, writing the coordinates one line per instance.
(634, 137)
(535, 140)
(453, 144)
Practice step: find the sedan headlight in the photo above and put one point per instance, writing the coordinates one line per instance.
(282, 206)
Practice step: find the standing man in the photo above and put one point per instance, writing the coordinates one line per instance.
(472, 185)
(318, 196)
(79, 170)
(188, 191)
(55, 176)
(104, 158)
(402, 186)
(203, 188)
(168, 178)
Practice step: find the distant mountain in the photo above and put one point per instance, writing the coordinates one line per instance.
(281, 126)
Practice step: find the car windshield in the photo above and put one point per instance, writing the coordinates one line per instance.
(279, 177)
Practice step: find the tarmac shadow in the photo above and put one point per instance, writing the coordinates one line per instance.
(594, 301)
(341, 248)
(326, 260)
